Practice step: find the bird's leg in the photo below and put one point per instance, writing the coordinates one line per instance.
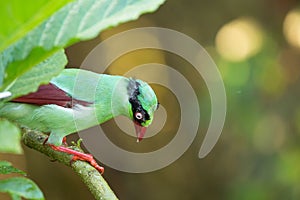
(76, 154)
(64, 141)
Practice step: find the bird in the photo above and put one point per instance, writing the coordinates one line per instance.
(78, 99)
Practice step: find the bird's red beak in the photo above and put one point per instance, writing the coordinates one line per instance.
(140, 131)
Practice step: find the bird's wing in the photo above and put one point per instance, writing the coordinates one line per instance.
(50, 94)
(78, 84)
(72, 86)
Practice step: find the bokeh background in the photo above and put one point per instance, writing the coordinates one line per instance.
(256, 46)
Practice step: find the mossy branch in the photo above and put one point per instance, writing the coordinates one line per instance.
(89, 175)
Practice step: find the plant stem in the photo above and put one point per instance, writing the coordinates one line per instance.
(89, 175)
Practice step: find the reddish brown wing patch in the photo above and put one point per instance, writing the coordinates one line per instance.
(50, 94)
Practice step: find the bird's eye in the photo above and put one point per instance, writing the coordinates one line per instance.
(138, 115)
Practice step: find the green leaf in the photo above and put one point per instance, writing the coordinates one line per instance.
(40, 74)
(10, 137)
(19, 17)
(7, 168)
(15, 197)
(20, 186)
(80, 20)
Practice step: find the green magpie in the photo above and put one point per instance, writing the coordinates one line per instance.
(71, 100)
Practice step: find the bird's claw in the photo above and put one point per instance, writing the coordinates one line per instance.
(78, 156)
(89, 158)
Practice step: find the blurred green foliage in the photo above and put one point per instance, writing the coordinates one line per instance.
(17, 21)
(258, 153)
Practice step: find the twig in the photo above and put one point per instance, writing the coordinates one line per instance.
(89, 175)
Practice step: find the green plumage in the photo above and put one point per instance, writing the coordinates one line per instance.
(108, 96)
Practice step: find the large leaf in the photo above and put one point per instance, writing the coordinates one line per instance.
(7, 168)
(10, 137)
(40, 74)
(80, 20)
(22, 187)
(18, 17)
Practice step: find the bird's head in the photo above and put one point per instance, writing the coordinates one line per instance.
(142, 104)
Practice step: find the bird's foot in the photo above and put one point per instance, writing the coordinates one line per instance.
(79, 156)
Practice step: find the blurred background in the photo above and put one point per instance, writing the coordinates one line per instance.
(256, 46)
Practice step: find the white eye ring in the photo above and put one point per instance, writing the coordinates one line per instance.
(138, 115)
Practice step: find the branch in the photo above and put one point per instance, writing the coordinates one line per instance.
(89, 175)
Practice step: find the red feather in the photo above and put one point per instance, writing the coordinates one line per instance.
(50, 94)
